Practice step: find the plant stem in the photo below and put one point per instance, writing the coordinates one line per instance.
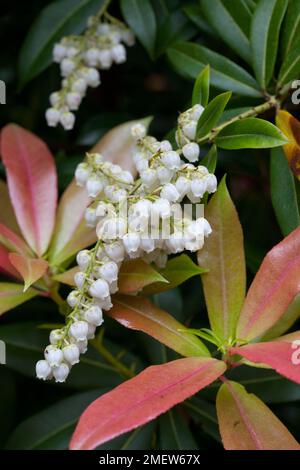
(119, 366)
(261, 108)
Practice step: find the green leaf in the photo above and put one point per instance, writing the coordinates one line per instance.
(265, 30)
(223, 256)
(290, 68)
(231, 21)
(210, 159)
(201, 88)
(174, 432)
(233, 112)
(136, 274)
(212, 113)
(194, 13)
(12, 295)
(178, 270)
(283, 192)
(291, 29)
(250, 133)
(189, 59)
(175, 28)
(58, 19)
(203, 412)
(141, 19)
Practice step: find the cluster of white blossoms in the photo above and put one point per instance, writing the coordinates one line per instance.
(133, 219)
(80, 58)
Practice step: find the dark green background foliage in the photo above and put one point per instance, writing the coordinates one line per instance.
(37, 415)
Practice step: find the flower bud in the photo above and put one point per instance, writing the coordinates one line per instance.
(82, 173)
(73, 298)
(43, 369)
(99, 289)
(94, 186)
(79, 330)
(59, 52)
(83, 258)
(79, 279)
(61, 372)
(189, 130)
(109, 271)
(71, 354)
(191, 151)
(67, 120)
(115, 251)
(119, 53)
(170, 193)
(105, 58)
(53, 355)
(94, 315)
(73, 100)
(56, 336)
(171, 159)
(67, 66)
(91, 57)
(52, 117)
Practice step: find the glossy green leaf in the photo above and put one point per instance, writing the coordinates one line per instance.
(58, 19)
(178, 270)
(283, 192)
(194, 12)
(231, 21)
(141, 19)
(223, 256)
(137, 313)
(12, 295)
(201, 88)
(136, 274)
(265, 31)
(189, 59)
(250, 133)
(174, 432)
(176, 27)
(210, 159)
(290, 69)
(291, 29)
(246, 423)
(212, 113)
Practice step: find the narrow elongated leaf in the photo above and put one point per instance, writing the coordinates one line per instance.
(58, 19)
(290, 127)
(231, 22)
(32, 184)
(285, 322)
(201, 88)
(175, 28)
(278, 354)
(136, 402)
(12, 295)
(246, 423)
(141, 19)
(12, 241)
(273, 288)
(291, 29)
(283, 192)
(174, 432)
(212, 113)
(265, 30)
(138, 313)
(136, 274)
(7, 216)
(250, 133)
(194, 12)
(223, 256)
(178, 270)
(290, 69)
(67, 277)
(210, 159)
(5, 265)
(30, 269)
(189, 59)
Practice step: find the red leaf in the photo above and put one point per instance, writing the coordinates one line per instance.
(12, 241)
(5, 265)
(273, 288)
(277, 354)
(143, 398)
(30, 269)
(32, 184)
(138, 313)
(246, 423)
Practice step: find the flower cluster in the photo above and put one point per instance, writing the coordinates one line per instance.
(133, 219)
(80, 57)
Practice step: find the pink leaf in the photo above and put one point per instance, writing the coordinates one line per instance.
(143, 398)
(273, 288)
(30, 269)
(32, 184)
(246, 423)
(12, 295)
(277, 354)
(5, 265)
(13, 242)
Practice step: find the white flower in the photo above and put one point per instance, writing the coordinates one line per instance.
(164, 174)
(161, 208)
(92, 77)
(59, 52)
(147, 244)
(73, 100)
(115, 251)
(94, 315)
(82, 173)
(109, 271)
(54, 98)
(165, 146)
(175, 243)
(149, 178)
(71, 354)
(171, 159)
(170, 193)
(67, 66)
(138, 131)
(90, 217)
(67, 120)
(52, 116)
(94, 186)
(43, 369)
(79, 330)
(92, 57)
(131, 242)
(99, 289)
(183, 185)
(119, 53)
(203, 226)
(79, 86)
(61, 372)
(79, 279)
(56, 336)
(189, 130)
(191, 151)
(53, 355)
(211, 183)
(72, 52)
(142, 165)
(198, 187)
(104, 29)
(127, 177)
(83, 258)
(73, 298)
(82, 345)
(91, 331)
(105, 58)
(197, 110)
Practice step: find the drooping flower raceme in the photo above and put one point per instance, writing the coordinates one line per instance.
(134, 219)
(80, 58)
